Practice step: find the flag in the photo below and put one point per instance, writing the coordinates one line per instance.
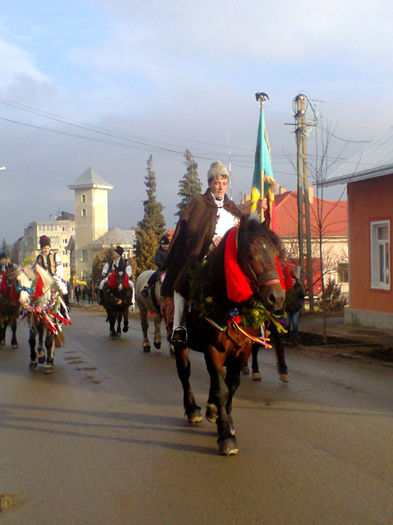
(263, 172)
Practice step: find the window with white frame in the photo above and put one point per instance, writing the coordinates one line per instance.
(380, 254)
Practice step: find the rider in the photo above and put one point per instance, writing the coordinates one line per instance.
(117, 263)
(200, 228)
(51, 262)
(162, 252)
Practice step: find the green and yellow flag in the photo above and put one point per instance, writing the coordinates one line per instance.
(263, 182)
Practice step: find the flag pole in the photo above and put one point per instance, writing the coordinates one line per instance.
(261, 98)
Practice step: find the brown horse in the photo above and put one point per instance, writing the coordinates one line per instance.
(117, 297)
(221, 335)
(9, 306)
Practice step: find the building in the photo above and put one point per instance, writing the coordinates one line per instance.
(91, 217)
(369, 180)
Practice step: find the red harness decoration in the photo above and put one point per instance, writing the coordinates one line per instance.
(39, 289)
(238, 284)
(112, 280)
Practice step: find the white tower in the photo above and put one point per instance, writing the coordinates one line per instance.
(91, 217)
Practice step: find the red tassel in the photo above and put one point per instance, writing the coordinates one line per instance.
(280, 275)
(238, 285)
(39, 290)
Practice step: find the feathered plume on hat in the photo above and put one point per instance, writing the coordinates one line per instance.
(217, 169)
(44, 241)
(119, 250)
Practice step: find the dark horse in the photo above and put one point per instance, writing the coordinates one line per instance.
(226, 348)
(117, 297)
(9, 306)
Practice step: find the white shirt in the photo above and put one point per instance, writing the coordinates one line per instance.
(225, 220)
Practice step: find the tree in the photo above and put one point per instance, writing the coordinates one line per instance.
(152, 227)
(190, 185)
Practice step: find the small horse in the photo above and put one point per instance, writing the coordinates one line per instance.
(148, 299)
(117, 297)
(9, 306)
(256, 251)
(40, 297)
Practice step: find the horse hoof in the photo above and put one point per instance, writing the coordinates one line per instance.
(125, 328)
(171, 349)
(194, 417)
(256, 376)
(48, 368)
(2, 342)
(146, 349)
(33, 365)
(157, 344)
(246, 370)
(284, 378)
(41, 359)
(228, 447)
(211, 413)
(15, 346)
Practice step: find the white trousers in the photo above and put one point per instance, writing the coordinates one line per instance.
(179, 303)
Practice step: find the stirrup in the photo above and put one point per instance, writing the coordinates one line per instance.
(179, 336)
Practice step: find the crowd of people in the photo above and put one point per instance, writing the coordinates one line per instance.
(201, 227)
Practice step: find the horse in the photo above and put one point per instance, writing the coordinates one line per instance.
(237, 286)
(46, 312)
(9, 306)
(148, 299)
(279, 349)
(117, 297)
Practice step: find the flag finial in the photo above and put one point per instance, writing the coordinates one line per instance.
(261, 97)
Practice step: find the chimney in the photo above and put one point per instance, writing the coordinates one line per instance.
(281, 190)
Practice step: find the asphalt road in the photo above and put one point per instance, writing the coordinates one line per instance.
(103, 439)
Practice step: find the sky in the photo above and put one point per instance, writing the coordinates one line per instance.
(107, 83)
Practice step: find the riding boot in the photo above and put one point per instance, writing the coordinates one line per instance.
(101, 297)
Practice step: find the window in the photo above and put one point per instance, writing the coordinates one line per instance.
(83, 197)
(342, 272)
(380, 255)
(83, 212)
(84, 256)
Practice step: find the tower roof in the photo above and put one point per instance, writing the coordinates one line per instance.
(89, 180)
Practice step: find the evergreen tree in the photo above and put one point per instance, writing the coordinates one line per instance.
(152, 227)
(189, 185)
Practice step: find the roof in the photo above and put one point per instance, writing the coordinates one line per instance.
(116, 236)
(334, 216)
(375, 160)
(90, 179)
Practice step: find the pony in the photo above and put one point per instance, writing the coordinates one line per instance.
(9, 306)
(238, 285)
(117, 297)
(46, 312)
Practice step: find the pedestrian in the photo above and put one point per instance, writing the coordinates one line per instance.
(294, 302)
(201, 226)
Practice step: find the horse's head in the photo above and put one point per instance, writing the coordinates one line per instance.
(259, 251)
(35, 286)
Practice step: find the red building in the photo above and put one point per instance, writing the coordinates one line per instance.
(369, 180)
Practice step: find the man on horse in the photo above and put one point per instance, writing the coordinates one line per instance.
(4, 263)
(117, 264)
(51, 262)
(201, 226)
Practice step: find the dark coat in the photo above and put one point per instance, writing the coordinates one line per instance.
(160, 258)
(191, 240)
(295, 298)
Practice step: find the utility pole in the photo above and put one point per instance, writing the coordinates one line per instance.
(303, 198)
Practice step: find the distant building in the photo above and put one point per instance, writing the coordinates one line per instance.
(91, 217)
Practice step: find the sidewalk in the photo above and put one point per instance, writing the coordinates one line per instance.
(344, 339)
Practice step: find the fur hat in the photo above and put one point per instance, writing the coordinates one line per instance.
(119, 250)
(217, 169)
(44, 241)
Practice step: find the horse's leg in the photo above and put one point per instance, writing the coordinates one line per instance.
(145, 326)
(14, 341)
(41, 350)
(221, 396)
(280, 354)
(112, 321)
(50, 352)
(125, 320)
(3, 329)
(33, 354)
(183, 365)
(256, 376)
(119, 316)
(157, 331)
